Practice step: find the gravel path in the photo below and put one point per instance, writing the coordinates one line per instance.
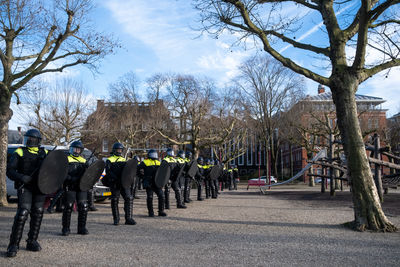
(289, 226)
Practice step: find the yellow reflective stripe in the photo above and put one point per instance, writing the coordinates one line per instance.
(169, 159)
(76, 159)
(114, 158)
(180, 160)
(19, 151)
(151, 162)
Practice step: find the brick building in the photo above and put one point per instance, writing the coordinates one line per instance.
(372, 119)
(128, 123)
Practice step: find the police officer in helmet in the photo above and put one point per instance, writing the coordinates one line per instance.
(147, 170)
(199, 177)
(23, 168)
(114, 166)
(175, 180)
(76, 168)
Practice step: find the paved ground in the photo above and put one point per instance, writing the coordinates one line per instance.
(291, 225)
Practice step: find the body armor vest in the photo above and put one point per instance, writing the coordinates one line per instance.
(116, 165)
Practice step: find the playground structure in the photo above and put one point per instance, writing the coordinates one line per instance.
(384, 166)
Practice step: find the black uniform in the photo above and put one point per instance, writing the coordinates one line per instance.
(76, 168)
(199, 177)
(147, 171)
(175, 182)
(187, 183)
(114, 166)
(23, 168)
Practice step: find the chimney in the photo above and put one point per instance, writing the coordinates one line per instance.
(100, 103)
(321, 89)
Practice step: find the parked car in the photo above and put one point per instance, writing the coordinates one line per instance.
(101, 192)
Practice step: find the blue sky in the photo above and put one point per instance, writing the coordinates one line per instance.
(156, 36)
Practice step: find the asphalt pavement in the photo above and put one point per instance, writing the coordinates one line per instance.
(285, 227)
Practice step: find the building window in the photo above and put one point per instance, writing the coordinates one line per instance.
(105, 145)
(241, 157)
(250, 151)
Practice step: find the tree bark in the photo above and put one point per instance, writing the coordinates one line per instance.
(368, 213)
(5, 116)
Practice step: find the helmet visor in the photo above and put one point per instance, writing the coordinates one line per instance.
(75, 151)
(118, 151)
(30, 141)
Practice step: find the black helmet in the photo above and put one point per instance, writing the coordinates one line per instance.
(117, 149)
(188, 154)
(170, 152)
(207, 161)
(200, 160)
(181, 154)
(32, 138)
(76, 148)
(152, 154)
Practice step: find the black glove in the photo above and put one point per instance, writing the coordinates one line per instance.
(26, 179)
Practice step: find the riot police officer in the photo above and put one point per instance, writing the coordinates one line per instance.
(76, 168)
(147, 170)
(114, 166)
(199, 177)
(23, 168)
(186, 185)
(175, 180)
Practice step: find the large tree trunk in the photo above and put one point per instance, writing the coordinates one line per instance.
(368, 212)
(5, 116)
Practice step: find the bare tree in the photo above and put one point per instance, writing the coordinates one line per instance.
(59, 111)
(124, 89)
(226, 129)
(42, 37)
(360, 25)
(268, 90)
(189, 101)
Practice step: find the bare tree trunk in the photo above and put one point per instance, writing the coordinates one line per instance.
(368, 213)
(5, 116)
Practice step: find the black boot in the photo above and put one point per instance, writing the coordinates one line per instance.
(115, 210)
(186, 194)
(179, 203)
(208, 195)
(90, 198)
(83, 208)
(16, 232)
(33, 234)
(128, 208)
(166, 197)
(199, 198)
(213, 192)
(161, 207)
(66, 219)
(150, 207)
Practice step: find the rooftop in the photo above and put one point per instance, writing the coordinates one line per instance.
(327, 97)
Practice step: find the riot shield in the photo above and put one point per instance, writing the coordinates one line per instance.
(91, 175)
(192, 169)
(162, 175)
(215, 172)
(129, 173)
(53, 172)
